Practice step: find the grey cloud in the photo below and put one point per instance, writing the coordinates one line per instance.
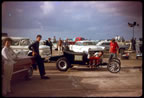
(67, 17)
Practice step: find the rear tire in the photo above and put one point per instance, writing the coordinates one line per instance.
(117, 60)
(63, 64)
(114, 66)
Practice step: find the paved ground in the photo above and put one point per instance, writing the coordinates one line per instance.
(84, 82)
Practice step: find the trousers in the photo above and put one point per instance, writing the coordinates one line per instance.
(40, 64)
(7, 75)
(112, 55)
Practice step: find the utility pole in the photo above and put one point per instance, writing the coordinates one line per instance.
(133, 25)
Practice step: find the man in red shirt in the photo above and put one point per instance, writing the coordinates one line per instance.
(113, 49)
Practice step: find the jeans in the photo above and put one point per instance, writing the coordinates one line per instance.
(112, 55)
(40, 64)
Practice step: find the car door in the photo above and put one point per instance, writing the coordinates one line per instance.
(106, 45)
(76, 47)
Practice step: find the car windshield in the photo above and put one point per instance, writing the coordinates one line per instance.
(20, 42)
(42, 42)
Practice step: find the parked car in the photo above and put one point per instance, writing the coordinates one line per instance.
(139, 48)
(84, 46)
(22, 67)
(106, 44)
(20, 47)
(65, 61)
(44, 50)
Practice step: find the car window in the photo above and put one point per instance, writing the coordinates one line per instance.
(89, 43)
(15, 42)
(106, 44)
(20, 42)
(24, 42)
(42, 43)
(78, 43)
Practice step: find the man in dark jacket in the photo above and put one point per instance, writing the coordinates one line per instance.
(49, 43)
(35, 52)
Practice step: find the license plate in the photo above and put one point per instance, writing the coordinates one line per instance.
(78, 58)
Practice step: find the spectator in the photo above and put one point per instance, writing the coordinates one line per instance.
(134, 44)
(66, 44)
(113, 49)
(49, 43)
(59, 45)
(54, 39)
(8, 63)
(133, 41)
(35, 52)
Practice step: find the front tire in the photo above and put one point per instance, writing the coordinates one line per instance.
(63, 64)
(29, 74)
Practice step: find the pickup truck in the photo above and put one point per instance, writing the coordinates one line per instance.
(106, 44)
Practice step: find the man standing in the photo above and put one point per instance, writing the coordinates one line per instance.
(66, 44)
(49, 43)
(54, 39)
(133, 41)
(113, 49)
(35, 52)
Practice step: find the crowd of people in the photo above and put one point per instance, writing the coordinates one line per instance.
(61, 45)
(9, 57)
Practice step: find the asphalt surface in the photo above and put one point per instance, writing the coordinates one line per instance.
(80, 81)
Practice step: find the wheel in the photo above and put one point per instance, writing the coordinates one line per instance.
(29, 74)
(63, 64)
(114, 66)
(117, 60)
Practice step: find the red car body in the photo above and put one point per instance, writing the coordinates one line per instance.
(75, 40)
(23, 68)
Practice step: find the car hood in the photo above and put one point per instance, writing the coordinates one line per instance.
(20, 47)
(95, 47)
(43, 46)
(92, 48)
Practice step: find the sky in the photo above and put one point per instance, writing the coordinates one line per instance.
(68, 19)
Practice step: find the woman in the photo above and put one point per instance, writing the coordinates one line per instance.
(59, 45)
(8, 56)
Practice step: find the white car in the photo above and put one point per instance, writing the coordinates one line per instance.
(44, 50)
(20, 47)
(104, 43)
(84, 46)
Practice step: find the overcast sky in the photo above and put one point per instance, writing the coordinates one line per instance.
(90, 19)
